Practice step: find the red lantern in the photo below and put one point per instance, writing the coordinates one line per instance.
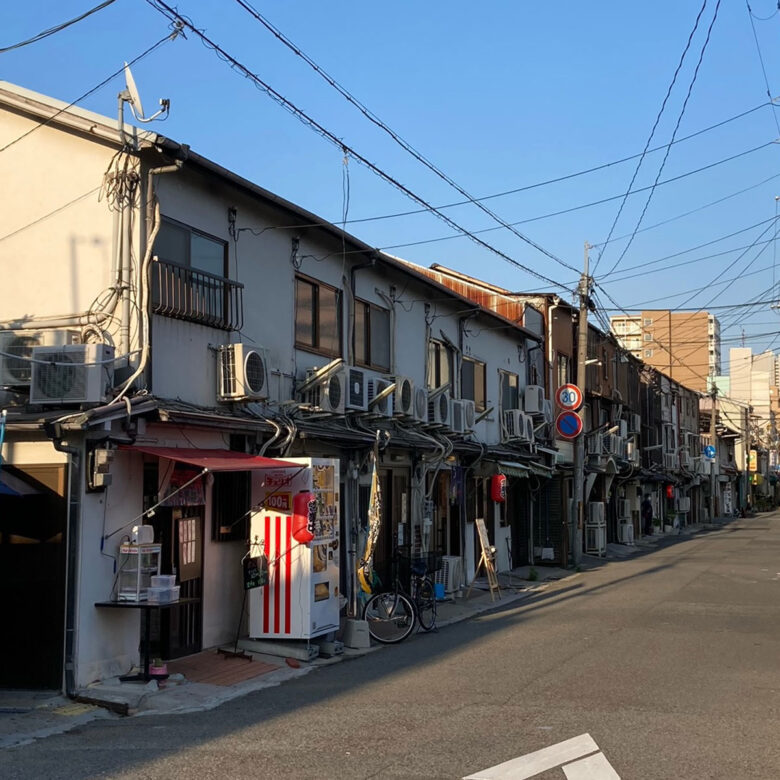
(498, 488)
(670, 491)
(304, 517)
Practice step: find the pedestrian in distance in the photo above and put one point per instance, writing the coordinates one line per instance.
(647, 516)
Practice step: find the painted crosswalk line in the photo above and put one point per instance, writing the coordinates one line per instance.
(580, 759)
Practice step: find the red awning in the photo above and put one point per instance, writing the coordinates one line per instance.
(214, 460)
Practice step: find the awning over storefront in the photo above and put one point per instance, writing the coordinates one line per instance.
(214, 460)
(513, 469)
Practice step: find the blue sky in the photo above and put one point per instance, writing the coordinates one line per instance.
(498, 95)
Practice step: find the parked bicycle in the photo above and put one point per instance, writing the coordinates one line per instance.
(392, 615)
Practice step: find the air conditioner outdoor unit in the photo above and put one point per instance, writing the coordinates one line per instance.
(469, 414)
(16, 348)
(670, 461)
(623, 508)
(450, 574)
(530, 434)
(458, 422)
(420, 406)
(632, 452)
(626, 533)
(439, 411)
(517, 424)
(357, 389)
(549, 412)
(634, 423)
(596, 513)
(594, 445)
(384, 406)
(685, 460)
(534, 400)
(327, 394)
(73, 373)
(242, 373)
(623, 428)
(403, 397)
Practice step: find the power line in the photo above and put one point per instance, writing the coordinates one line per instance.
(652, 131)
(171, 36)
(690, 249)
(372, 117)
(674, 133)
(170, 13)
(761, 56)
(584, 205)
(57, 28)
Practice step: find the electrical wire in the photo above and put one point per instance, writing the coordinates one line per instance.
(652, 131)
(57, 28)
(171, 36)
(372, 117)
(674, 133)
(302, 116)
(761, 56)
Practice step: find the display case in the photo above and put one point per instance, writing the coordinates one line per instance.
(138, 563)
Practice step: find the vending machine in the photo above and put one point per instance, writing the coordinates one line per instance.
(296, 526)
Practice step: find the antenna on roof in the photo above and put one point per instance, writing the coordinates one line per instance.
(130, 95)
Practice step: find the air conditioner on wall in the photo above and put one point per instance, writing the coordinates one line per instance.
(594, 445)
(420, 405)
(515, 425)
(533, 402)
(344, 389)
(549, 412)
(403, 397)
(439, 411)
(469, 415)
(375, 386)
(458, 422)
(634, 423)
(623, 508)
(242, 373)
(73, 373)
(16, 348)
(596, 514)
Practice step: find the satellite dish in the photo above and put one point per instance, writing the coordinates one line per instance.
(132, 90)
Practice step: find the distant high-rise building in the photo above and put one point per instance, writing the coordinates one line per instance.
(684, 346)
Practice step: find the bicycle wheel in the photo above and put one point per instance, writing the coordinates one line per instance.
(390, 617)
(425, 602)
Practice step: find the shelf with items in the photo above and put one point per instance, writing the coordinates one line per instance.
(138, 563)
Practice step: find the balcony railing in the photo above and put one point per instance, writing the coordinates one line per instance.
(197, 296)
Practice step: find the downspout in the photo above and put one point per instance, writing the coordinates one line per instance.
(351, 313)
(550, 320)
(152, 228)
(73, 531)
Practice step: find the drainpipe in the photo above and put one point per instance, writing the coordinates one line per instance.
(550, 319)
(351, 313)
(73, 531)
(152, 228)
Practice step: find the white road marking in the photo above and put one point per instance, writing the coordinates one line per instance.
(595, 767)
(539, 761)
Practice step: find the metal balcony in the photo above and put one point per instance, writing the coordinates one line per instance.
(196, 296)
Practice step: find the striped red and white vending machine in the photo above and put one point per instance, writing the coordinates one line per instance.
(301, 599)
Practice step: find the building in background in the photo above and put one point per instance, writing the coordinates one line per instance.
(686, 347)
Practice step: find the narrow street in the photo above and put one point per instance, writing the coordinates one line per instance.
(668, 661)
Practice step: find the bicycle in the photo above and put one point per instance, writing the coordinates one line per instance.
(392, 615)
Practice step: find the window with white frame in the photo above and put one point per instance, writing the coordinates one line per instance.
(440, 364)
(473, 375)
(510, 390)
(317, 317)
(372, 336)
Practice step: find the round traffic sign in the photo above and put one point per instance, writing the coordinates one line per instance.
(709, 452)
(569, 397)
(569, 425)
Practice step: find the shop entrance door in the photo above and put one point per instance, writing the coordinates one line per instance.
(181, 628)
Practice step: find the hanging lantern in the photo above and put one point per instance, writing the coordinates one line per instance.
(498, 488)
(670, 491)
(304, 516)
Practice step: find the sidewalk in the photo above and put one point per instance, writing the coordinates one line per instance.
(29, 715)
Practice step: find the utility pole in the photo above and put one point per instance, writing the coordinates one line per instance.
(713, 476)
(578, 492)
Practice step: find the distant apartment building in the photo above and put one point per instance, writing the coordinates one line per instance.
(686, 347)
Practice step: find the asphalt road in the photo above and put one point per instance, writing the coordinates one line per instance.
(669, 660)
